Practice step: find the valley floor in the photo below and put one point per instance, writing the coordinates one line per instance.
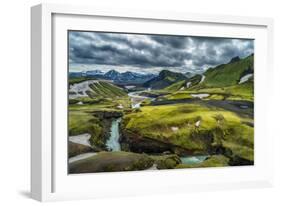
(161, 130)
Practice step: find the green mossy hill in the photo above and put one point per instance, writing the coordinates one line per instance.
(83, 122)
(164, 79)
(175, 125)
(176, 86)
(213, 161)
(112, 162)
(243, 91)
(105, 89)
(99, 89)
(229, 74)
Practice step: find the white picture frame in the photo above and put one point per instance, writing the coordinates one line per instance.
(48, 178)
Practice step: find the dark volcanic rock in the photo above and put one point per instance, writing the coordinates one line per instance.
(132, 142)
(107, 114)
(239, 161)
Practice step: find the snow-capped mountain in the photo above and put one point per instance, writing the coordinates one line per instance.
(125, 77)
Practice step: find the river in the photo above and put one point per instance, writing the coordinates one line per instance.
(137, 99)
(112, 143)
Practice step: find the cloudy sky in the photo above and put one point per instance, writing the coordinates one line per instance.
(151, 53)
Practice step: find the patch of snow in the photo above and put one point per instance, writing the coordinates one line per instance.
(81, 157)
(130, 87)
(81, 139)
(174, 129)
(182, 88)
(137, 99)
(197, 124)
(200, 96)
(120, 106)
(202, 79)
(245, 78)
(80, 88)
(188, 84)
(137, 105)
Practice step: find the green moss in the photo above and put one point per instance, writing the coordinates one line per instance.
(166, 161)
(178, 95)
(83, 122)
(175, 124)
(176, 86)
(228, 74)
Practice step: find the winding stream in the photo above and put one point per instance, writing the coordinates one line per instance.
(112, 143)
(137, 99)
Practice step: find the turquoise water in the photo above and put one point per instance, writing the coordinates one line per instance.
(193, 159)
(112, 143)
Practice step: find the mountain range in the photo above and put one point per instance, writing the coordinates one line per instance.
(115, 76)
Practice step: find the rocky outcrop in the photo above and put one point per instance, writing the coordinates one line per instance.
(107, 114)
(239, 161)
(111, 162)
(135, 143)
(131, 141)
(167, 161)
(76, 149)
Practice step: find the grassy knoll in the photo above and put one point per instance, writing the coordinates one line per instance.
(178, 95)
(175, 124)
(243, 91)
(105, 89)
(176, 86)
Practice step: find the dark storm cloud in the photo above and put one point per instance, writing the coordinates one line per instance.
(178, 42)
(151, 51)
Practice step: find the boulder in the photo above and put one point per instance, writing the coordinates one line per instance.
(111, 162)
(167, 161)
(76, 149)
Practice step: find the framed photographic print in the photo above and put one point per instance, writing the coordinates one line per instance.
(134, 102)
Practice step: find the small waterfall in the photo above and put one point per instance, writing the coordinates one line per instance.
(112, 143)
